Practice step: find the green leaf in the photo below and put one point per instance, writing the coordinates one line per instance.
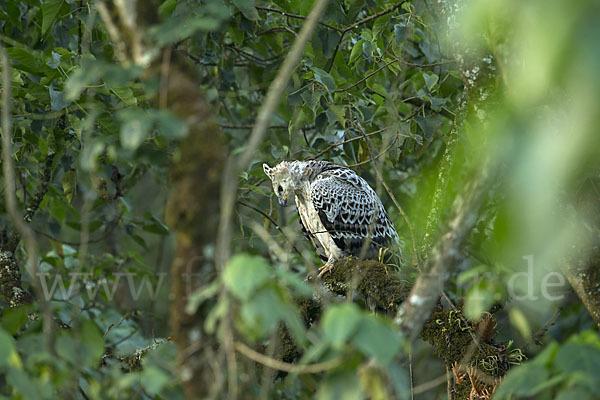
(324, 78)
(524, 381)
(357, 50)
(575, 392)
(202, 294)
(66, 348)
(369, 48)
(27, 60)
(58, 100)
(167, 7)
(340, 112)
(27, 387)
(400, 33)
(244, 274)
(376, 338)
(170, 126)
(50, 10)
(14, 318)
(153, 379)
(125, 94)
(69, 184)
(135, 128)
(579, 357)
(294, 282)
(519, 320)
(299, 119)
(90, 71)
(311, 98)
(93, 342)
(177, 28)
(247, 8)
(431, 80)
(14, 12)
(8, 353)
(261, 315)
(340, 322)
(54, 63)
(89, 156)
(343, 386)
(139, 240)
(380, 25)
(547, 356)
(156, 226)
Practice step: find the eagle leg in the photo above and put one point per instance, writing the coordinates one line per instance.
(327, 267)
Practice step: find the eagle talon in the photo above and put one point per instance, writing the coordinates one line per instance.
(325, 268)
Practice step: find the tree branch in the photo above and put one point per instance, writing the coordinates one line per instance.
(425, 293)
(296, 16)
(366, 77)
(284, 366)
(583, 275)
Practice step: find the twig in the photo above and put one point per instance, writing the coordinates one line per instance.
(273, 222)
(410, 374)
(296, 16)
(366, 77)
(334, 145)
(164, 77)
(449, 383)
(70, 243)
(372, 17)
(284, 366)
(113, 325)
(378, 156)
(424, 387)
(335, 51)
(277, 29)
(79, 37)
(252, 57)
(250, 127)
(416, 65)
(537, 336)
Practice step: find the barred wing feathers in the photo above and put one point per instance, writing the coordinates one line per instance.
(347, 206)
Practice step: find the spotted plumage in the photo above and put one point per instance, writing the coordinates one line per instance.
(339, 212)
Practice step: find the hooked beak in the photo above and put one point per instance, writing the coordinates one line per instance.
(283, 200)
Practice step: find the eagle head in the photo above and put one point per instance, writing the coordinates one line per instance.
(282, 181)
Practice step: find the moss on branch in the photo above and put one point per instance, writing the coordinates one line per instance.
(466, 347)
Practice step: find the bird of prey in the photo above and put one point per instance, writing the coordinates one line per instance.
(339, 212)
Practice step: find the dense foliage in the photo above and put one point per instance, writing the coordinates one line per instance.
(422, 98)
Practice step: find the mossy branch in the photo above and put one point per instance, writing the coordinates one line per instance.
(466, 347)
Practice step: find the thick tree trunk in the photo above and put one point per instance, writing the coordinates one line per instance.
(195, 181)
(193, 213)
